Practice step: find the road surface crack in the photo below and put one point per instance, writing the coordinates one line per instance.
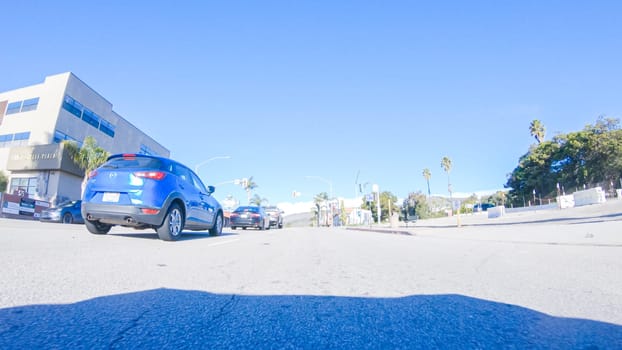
(133, 324)
(225, 309)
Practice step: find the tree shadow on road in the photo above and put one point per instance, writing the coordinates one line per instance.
(174, 319)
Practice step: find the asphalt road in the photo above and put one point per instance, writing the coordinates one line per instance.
(541, 280)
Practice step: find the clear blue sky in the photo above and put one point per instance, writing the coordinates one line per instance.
(333, 89)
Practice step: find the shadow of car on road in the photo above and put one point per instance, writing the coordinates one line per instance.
(185, 236)
(170, 318)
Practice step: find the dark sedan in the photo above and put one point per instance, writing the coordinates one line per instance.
(67, 213)
(250, 216)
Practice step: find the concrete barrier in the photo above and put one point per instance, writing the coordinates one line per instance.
(594, 195)
(496, 212)
(566, 201)
(531, 208)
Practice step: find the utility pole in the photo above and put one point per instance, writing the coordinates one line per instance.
(376, 189)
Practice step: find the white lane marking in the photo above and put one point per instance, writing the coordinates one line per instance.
(223, 242)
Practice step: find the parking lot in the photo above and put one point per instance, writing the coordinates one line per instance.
(531, 280)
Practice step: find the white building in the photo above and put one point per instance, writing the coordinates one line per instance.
(35, 119)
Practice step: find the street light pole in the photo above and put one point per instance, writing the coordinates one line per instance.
(330, 184)
(197, 166)
(376, 188)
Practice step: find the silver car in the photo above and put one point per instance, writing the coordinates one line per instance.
(276, 216)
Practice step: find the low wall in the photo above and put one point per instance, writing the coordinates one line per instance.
(532, 208)
(594, 195)
(566, 201)
(496, 212)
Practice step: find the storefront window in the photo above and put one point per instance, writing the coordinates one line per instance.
(24, 185)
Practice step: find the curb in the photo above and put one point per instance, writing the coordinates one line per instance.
(389, 231)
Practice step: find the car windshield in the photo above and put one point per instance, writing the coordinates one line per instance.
(66, 204)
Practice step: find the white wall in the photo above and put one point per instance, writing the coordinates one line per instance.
(592, 196)
(69, 186)
(38, 121)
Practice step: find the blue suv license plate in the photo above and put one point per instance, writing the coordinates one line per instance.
(110, 197)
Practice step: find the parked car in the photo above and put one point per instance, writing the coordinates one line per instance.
(276, 216)
(67, 212)
(250, 216)
(482, 206)
(143, 191)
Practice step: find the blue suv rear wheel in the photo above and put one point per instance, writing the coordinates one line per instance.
(173, 224)
(96, 227)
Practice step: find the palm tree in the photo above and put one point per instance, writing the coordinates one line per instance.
(427, 175)
(537, 130)
(88, 157)
(249, 185)
(257, 200)
(446, 165)
(4, 180)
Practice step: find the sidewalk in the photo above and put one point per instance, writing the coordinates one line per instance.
(594, 225)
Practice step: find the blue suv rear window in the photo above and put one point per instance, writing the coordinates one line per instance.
(138, 162)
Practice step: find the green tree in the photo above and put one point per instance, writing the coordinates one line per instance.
(533, 173)
(497, 198)
(537, 130)
(88, 157)
(418, 201)
(427, 175)
(446, 165)
(4, 181)
(388, 204)
(604, 151)
(343, 215)
(592, 156)
(469, 203)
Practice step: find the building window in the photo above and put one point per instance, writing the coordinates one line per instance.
(22, 106)
(30, 105)
(14, 107)
(72, 106)
(146, 150)
(6, 140)
(10, 140)
(21, 138)
(61, 136)
(90, 117)
(106, 128)
(24, 185)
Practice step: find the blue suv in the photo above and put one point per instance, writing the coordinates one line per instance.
(143, 191)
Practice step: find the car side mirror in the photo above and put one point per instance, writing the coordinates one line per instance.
(211, 189)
